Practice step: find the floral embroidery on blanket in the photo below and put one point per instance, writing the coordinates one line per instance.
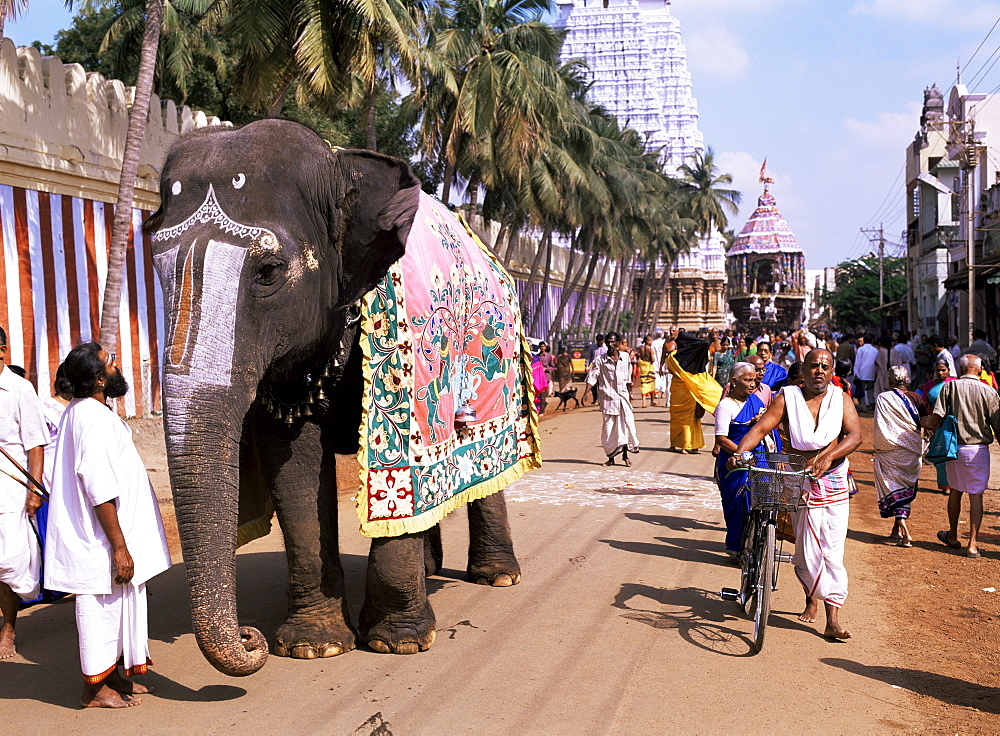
(441, 332)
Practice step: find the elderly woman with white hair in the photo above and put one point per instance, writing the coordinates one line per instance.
(734, 416)
(898, 447)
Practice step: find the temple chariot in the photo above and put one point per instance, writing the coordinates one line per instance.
(766, 270)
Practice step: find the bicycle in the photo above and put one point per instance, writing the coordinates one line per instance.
(775, 483)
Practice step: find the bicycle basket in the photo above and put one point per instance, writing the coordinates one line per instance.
(776, 481)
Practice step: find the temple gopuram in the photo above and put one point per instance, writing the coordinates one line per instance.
(766, 270)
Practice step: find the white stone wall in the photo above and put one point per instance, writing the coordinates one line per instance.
(63, 130)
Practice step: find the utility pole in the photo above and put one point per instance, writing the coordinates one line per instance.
(962, 142)
(881, 260)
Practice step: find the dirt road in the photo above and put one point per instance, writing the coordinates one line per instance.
(617, 628)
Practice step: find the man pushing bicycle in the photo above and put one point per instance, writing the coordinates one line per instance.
(824, 429)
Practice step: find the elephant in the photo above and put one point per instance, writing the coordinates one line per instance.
(264, 240)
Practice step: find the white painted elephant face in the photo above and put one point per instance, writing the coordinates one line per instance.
(263, 235)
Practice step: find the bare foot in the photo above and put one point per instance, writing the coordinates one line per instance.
(611, 461)
(836, 632)
(126, 687)
(105, 697)
(7, 649)
(627, 463)
(810, 612)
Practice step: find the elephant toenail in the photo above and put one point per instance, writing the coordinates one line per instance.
(379, 646)
(331, 650)
(407, 647)
(502, 581)
(303, 651)
(482, 580)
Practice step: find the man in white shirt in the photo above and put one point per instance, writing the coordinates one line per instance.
(660, 373)
(105, 536)
(902, 354)
(23, 435)
(611, 373)
(864, 370)
(942, 353)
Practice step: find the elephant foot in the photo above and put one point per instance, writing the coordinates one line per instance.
(500, 572)
(400, 633)
(301, 640)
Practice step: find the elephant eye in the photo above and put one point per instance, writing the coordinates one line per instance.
(269, 270)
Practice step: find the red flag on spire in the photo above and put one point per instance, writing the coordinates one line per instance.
(764, 178)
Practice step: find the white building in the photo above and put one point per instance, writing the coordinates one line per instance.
(638, 66)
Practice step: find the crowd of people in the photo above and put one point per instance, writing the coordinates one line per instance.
(78, 515)
(804, 391)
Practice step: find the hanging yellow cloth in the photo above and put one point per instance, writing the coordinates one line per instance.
(687, 391)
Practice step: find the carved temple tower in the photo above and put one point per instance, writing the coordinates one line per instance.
(638, 66)
(766, 270)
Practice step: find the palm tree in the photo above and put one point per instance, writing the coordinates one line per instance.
(188, 36)
(134, 137)
(321, 48)
(11, 9)
(709, 201)
(494, 88)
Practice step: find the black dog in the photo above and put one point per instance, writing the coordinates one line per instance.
(565, 397)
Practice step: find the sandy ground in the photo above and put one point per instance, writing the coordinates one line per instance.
(617, 627)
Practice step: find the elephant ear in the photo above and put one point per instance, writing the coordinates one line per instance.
(377, 199)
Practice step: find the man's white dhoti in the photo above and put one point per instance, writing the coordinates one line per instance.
(820, 533)
(20, 555)
(96, 462)
(618, 432)
(112, 627)
(613, 378)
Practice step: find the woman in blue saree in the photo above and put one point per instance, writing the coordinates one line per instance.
(734, 416)
(929, 393)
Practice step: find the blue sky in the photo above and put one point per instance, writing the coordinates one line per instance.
(829, 92)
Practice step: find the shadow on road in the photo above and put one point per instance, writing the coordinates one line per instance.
(674, 523)
(677, 548)
(699, 617)
(949, 690)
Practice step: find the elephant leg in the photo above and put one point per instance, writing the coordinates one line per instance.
(397, 617)
(303, 481)
(433, 551)
(491, 549)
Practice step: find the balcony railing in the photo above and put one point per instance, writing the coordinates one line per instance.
(942, 236)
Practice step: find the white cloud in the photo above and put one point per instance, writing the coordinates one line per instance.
(890, 130)
(970, 14)
(715, 50)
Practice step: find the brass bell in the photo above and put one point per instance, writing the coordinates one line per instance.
(306, 411)
(320, 395)
(288, 419)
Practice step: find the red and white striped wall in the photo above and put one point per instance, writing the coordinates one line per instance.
(53, 266)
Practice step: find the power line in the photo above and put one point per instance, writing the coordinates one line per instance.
(976, 75)
(889, 194)
(969, 61)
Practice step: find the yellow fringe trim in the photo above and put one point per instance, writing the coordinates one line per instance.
(259, 527)
(424, 521)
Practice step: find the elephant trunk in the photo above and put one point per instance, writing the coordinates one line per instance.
(203, 436)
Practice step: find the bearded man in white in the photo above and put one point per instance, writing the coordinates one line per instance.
(824, 429)
(105, 538)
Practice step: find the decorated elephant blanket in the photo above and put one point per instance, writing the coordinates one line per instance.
(441, 335)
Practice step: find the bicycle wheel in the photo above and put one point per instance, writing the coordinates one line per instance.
(749, 563)
(764, 580)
